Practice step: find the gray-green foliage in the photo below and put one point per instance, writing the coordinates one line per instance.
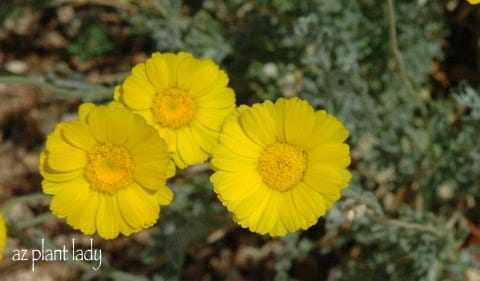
(172, 30)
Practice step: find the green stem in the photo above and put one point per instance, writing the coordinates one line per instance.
(34, 220)
(396, 51)
(61, 87)
(23, 199)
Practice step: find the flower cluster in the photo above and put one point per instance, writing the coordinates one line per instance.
(278, 166)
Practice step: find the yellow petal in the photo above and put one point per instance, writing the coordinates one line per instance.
(278, 229)
(218, 98)
(206, 138)
(326, 179)
(98, 123)
(137, 208)
(189, 152)
(227, 161)
(84, 110)
(141, 134)
(108, 217)
(69, 197)
(308, 203)
(118, 94)
(298, 112)
(253, 220)
(327, 129)
(258, 124)
(164, 195)
(172, 62)
(332, 154)
(138, 91)
(49, 187)
(62, 156)
(158, 73)
(78, 134)
(269, 216)
(212, 119)
(290, 217)
(236, 186)
(234, 139)
(207, 76)
(186, 68)
(247, 206)
(120, 124)
(150, 176)
(56, 176)
(85, 218)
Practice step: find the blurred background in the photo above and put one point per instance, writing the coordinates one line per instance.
(402, 75)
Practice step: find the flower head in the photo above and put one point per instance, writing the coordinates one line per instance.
(184, 98)
(107, 171)
(280, 166)
(3, 235)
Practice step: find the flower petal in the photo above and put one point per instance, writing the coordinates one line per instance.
(108, 216)
(258, 124)
(137, 208)
(327, 129)
(333, 154)
(62, 156)
(56, 176)
(235, 140)
(84, 217)
(138, 91)
(296, 110)
(308, 203)
(326, 179)
(226, 161)
(158, 73)
(188, 152)
(70, 196)
(78, 134)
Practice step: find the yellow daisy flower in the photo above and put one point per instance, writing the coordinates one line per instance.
(280, 166)
(3, 235)
(184, 98)
(107, 171)
(474, 1)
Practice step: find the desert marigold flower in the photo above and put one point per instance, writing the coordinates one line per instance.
(107, 171)
(474, 1)
(184, 98)
(280, 166)
(3, 235)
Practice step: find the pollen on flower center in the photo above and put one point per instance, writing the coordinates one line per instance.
(173, 108)
(281, 166)
(109, 168)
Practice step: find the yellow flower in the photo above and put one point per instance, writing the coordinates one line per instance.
(184, 98)
(107, 171)
(474, 1)
(280, 166)
(3, 235)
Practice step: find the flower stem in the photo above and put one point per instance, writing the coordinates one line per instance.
(34, 220)
(62, 88)
(23, 199)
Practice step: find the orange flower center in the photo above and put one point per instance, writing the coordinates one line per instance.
(173, 108)
(281, 166)
(109, 168)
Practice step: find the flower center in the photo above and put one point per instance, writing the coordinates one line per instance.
(281, 166)
(173, 108)
(109, 168)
